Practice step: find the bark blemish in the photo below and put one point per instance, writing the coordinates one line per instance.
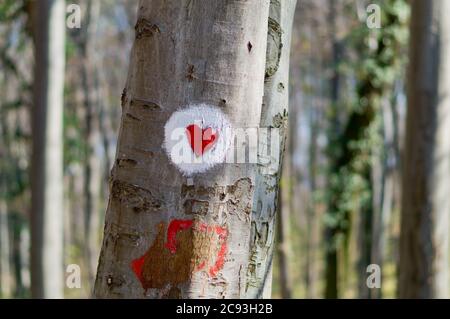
(197, 192)
(240, 197)
(281, 120)
(109, 280)
(281, 87)
(274, 48)
(114, 281)
(146, 29)
(125, 162)
(144, 104)
(133, 117)
(264, 234)
(135, 197)
(197, 207)
(123, 98)
(190, 72)
(201, 200)
(249, 46)
(132, 238)
(143, 151)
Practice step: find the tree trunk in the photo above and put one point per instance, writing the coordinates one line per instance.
(424, 242)
(5, 242)
(331, 256)
(93, 166)
(274, 114)
(383, 197)
(169, 234)
(5, 256)
(283, 244)
(47, 170)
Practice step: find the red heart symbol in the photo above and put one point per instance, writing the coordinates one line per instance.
(200, 140)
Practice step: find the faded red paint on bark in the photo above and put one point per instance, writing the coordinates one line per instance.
(222, 232)
(174, 227)
(137, 265)
(190, 247)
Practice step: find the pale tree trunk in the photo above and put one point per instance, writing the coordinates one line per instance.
(47, 170)
(5, 255)
(312, 240)
(383, 171)
(186, 52)
(5, 242)
(23, 267)
(274, 114)
(283, 241)
(424, 242)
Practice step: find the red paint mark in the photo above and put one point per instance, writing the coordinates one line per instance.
(221, 231)
(175, 226)
(136, 266)
(200, 140)
(202, 227)
(201, 265)
(220, 259)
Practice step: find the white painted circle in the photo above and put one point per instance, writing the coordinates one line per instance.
(197, 138)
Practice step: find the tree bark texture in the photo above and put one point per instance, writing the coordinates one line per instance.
(185, 52)
(93, 161)
(274, 115)
(424, 241)
(47, 161)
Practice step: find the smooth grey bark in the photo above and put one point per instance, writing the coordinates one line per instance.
(424, 242)
(47, 169)
(274, 115)
(185, 52)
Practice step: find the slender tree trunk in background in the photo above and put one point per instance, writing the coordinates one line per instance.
(5, 243)
(283, 243)
(93, 167)
(274, 114)
(383, 200)
(312, 224)
(331, 256)
(21, 257)
(47, 170)
(185, 52)
(23, 263)
(424, 243)
(5, 256)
